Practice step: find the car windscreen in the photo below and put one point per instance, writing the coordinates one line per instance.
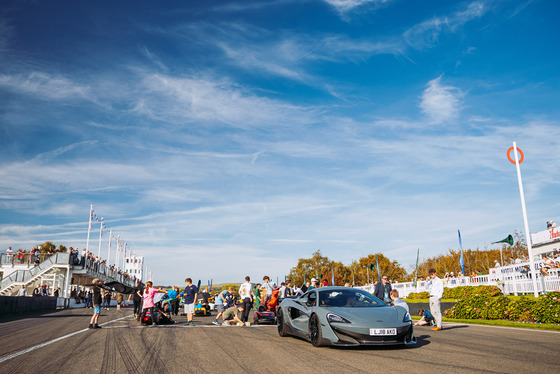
(348, 298)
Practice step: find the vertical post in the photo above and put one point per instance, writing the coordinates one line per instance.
(367, 268)
(67, 283)
(124, 258)
(109, 250)
(119, 244)
(501, 257)
(89, 226)
(100, 235)
(526, 222)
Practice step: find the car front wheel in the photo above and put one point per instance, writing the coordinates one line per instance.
(315, 335)
(280, 323)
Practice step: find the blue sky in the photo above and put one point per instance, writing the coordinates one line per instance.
(222, 138)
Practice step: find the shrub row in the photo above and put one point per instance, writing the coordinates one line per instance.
(418, 295)
(470, 291)
(544, 309)
(460, 292)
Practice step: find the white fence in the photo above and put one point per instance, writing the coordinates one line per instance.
(508, 278)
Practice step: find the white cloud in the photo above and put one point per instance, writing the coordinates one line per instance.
(344, 6)
(44, 86)
(426, 34)
(216, 102)
(441, 103)
(6, 35)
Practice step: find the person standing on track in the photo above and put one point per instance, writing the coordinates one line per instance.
(267, 290)
(257, 296)
(383, 290)
(97, 299)
(137, 299)
(148, 302)
(435, 286)
(190, 294)
(246, 294)
(174, 300)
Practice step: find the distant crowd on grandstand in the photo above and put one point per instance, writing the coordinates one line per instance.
(85, 260)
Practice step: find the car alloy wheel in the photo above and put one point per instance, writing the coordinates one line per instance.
(280, 323)
(315, 335)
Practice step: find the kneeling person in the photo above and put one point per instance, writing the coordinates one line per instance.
(427, 318)
(230, 315)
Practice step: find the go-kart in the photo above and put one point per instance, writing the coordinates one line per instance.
(267, 313)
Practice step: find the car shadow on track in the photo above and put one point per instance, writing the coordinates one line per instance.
(421, 341)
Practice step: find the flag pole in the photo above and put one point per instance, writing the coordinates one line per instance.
(100, 236)
(461, 260)
(416, 272)
(89, 226)
(109, 248)
(525, 221)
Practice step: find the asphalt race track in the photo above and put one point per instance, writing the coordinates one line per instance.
(60, 342)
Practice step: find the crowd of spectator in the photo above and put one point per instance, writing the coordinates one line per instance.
(22, 257)
(85, 260)
(550, 261)
(41, 290)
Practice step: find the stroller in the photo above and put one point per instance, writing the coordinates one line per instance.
(267, 313)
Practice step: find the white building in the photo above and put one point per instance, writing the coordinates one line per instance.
(134, 266)
(546, 241)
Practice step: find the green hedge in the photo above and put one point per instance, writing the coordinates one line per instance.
(470, 291)
(418, 295)
(544, 309)
(460, 292)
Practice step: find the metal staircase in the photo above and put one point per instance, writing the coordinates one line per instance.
(50, 268)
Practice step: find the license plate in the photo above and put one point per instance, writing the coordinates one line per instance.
(383, 331)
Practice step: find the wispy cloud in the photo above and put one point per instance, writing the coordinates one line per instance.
(426, 34)
(441, 103)
(208, 101)
(6, 33)
(44, 86)
(217, 135)
(344, 6)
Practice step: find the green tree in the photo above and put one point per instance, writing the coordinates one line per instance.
(307, 268)
(392, 269)
(475, 260)
(44, 248)
(342, 274)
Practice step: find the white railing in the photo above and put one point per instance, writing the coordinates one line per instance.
(60, 259)
(25, 276)
(508, 278)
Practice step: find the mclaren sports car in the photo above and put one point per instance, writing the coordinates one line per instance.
(344, 316)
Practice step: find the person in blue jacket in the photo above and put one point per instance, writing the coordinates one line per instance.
(427, 318)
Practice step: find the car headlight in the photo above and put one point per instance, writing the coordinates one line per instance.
(331, 317)
(407, 318)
